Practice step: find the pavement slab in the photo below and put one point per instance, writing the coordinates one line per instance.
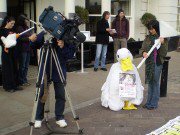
(97, 120)
(85, 90)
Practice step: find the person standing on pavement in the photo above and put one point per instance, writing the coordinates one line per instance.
(9, 63)
(102, 41)
(153, 64)
(24, 49)
(121, 25)
(64, 52)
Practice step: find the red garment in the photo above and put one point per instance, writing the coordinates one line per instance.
(122, 27)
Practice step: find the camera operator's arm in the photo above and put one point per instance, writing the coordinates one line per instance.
(65, 50)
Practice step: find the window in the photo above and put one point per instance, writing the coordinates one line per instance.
(94, 8)
(92, 25)
(121, 4)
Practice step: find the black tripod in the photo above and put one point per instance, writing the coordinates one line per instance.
(46, 50)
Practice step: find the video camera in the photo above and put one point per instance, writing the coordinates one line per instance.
(62, 28)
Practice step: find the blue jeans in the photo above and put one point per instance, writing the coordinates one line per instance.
(23, 67)
(59, 104)
(154, 88)
(101, 51)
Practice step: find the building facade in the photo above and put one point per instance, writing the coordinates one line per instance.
(166, 10)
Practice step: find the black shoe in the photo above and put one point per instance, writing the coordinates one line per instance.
(95, 69)
(104, 69)
(144, 106)
(26, 84)
(18, 88)
(21, 84)
(151, 108)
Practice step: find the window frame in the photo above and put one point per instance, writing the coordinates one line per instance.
(112, 15)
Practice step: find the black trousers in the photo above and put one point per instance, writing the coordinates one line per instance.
(59, 103)
(9, 70)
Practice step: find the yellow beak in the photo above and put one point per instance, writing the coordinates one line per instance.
(126, 64)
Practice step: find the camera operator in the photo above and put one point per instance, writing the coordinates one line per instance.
(64, 52)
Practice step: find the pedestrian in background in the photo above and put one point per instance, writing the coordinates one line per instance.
(102, 41)
(24, 49)
(121, 25)
(9, 62)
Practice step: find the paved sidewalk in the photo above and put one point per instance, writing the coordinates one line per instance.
(97, 120)
(16, 108)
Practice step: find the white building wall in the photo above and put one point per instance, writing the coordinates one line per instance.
(132, 20)
(106, 6)
(80, 3)
(165, 10)
(69, 7)
(139, 8)
(59, 6)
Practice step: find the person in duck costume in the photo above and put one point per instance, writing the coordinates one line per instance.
(123, 88)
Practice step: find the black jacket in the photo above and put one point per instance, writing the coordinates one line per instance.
(102, 36)
(63, 54)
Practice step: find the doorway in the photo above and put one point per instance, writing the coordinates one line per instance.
(17, 7)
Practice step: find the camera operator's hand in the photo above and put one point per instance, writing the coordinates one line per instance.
(33, 37)
(108, 29)
(60, 43)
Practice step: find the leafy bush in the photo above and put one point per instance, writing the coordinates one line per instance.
(82, 13)
(131, 40)
(146, 18)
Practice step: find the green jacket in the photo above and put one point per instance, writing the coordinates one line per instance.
(161, 52)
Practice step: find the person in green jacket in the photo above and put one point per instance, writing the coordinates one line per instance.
(153, 63)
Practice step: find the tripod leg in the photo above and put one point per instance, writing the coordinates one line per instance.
(76, 118)
(40, 66)
(38, 85)
(47, 104)
(46, 88)
(47, 83)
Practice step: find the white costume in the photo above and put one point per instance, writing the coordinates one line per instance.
(110, 90)
(9, 41)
